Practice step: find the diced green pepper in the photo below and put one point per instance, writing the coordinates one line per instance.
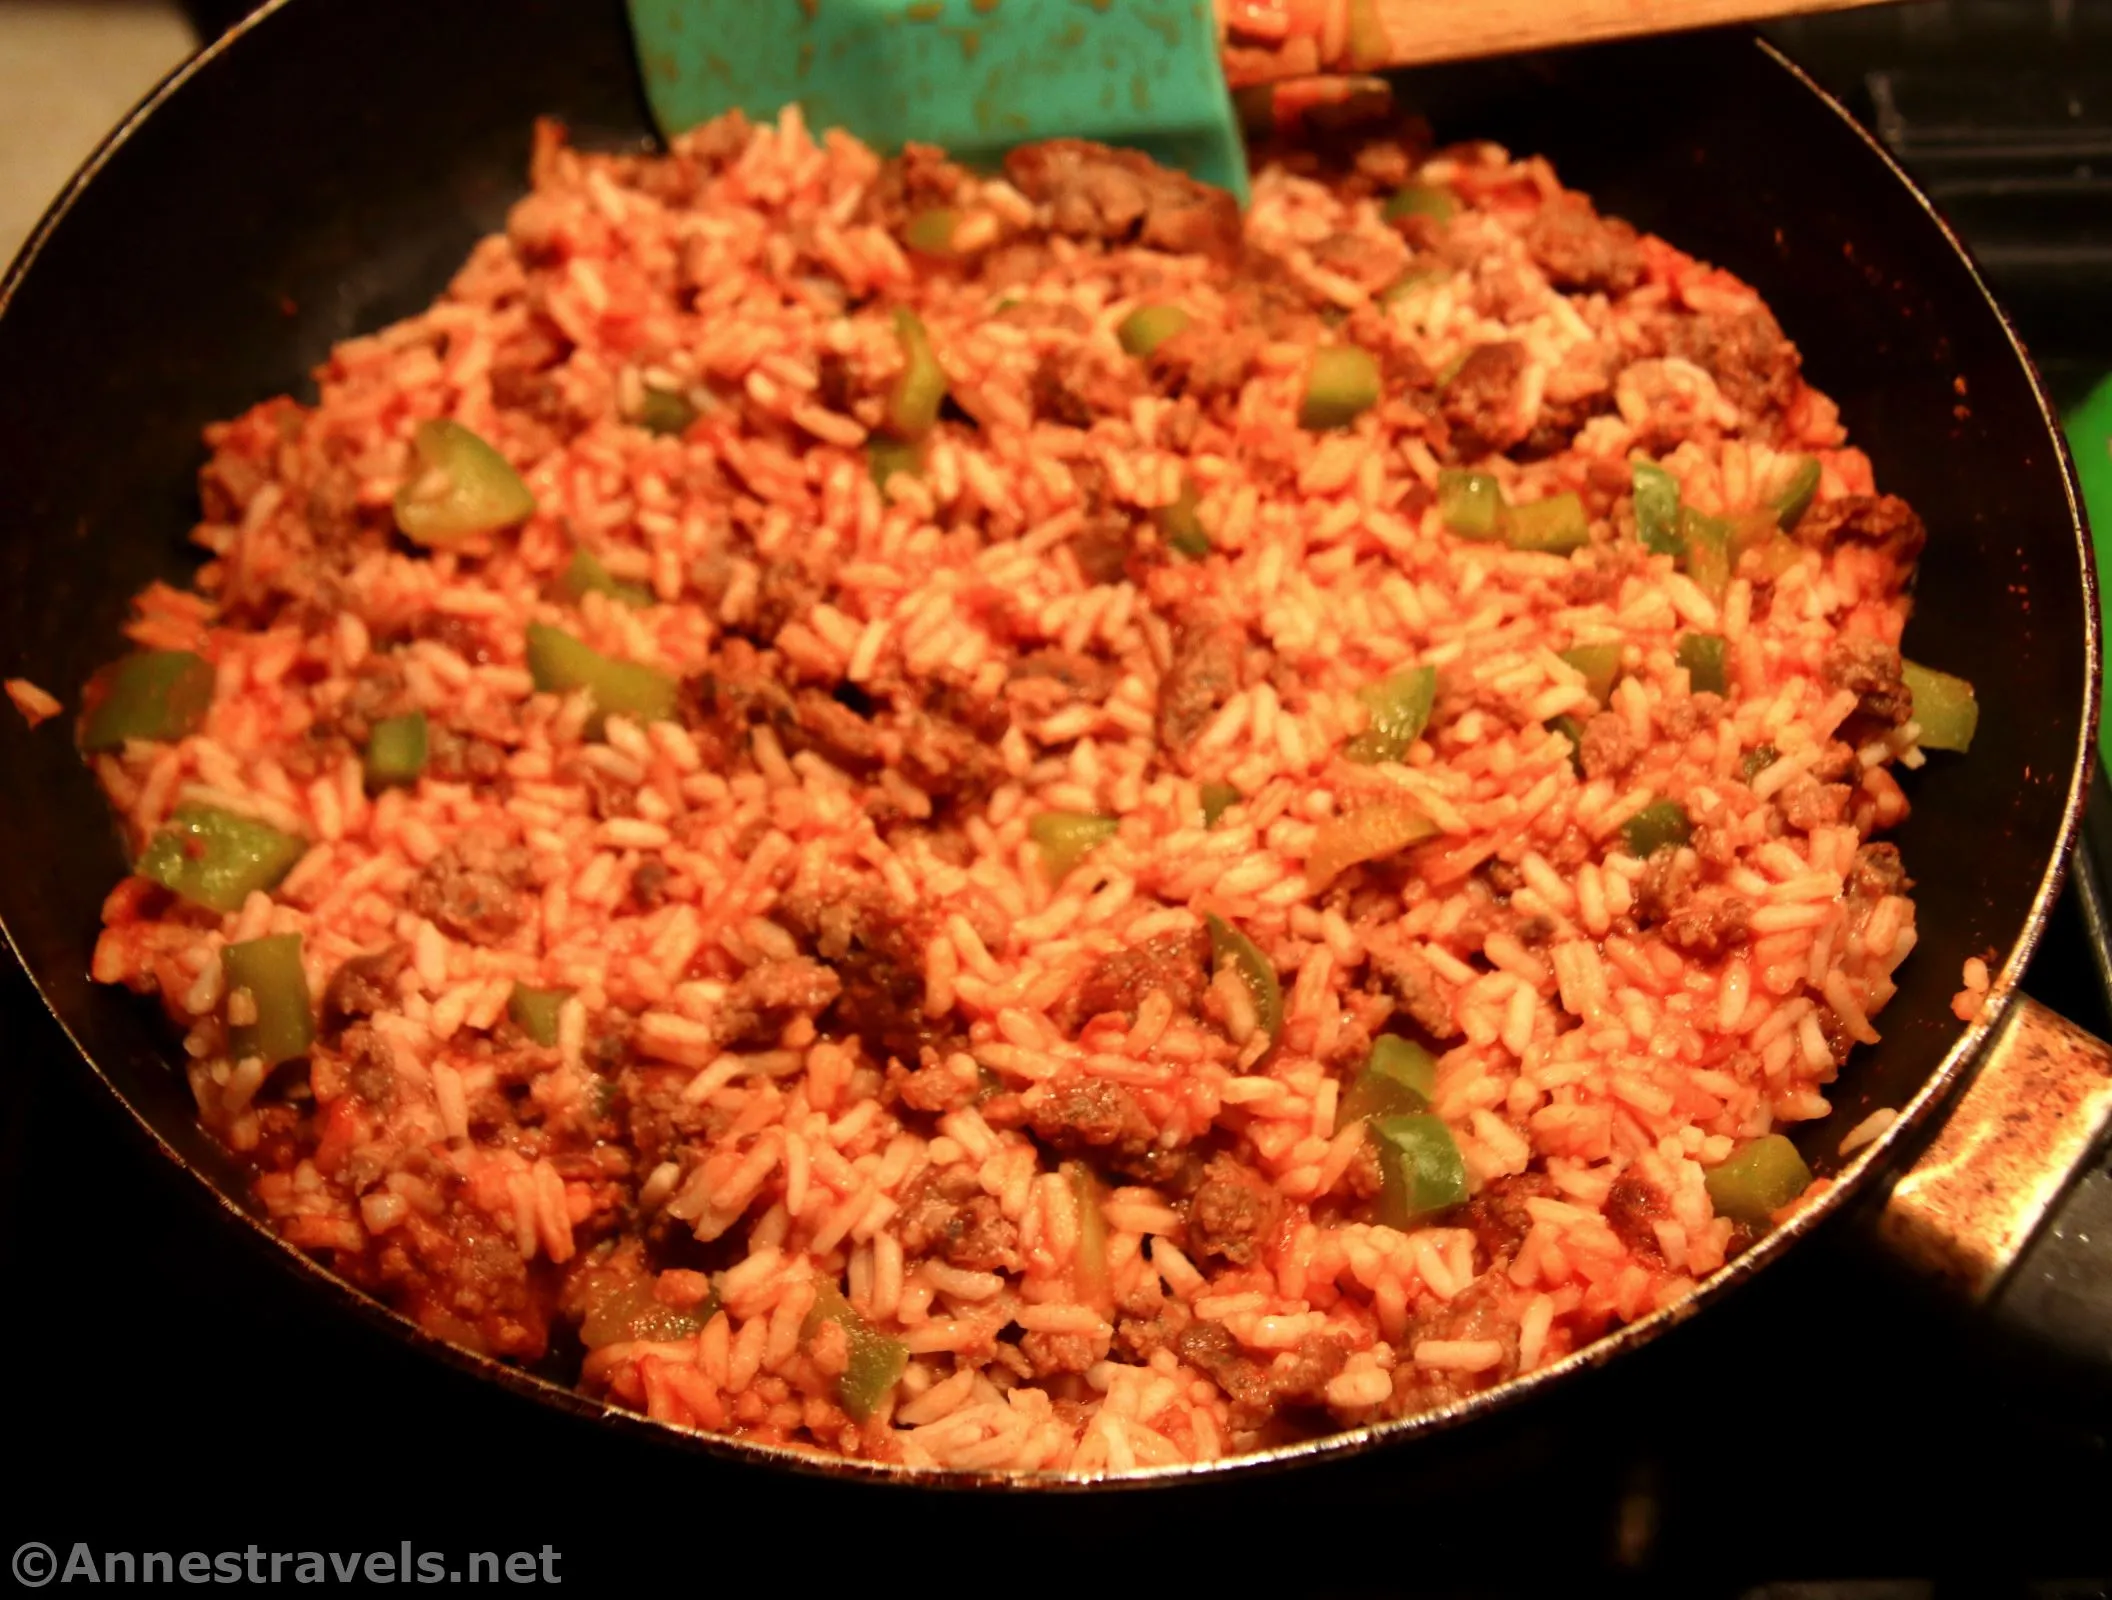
(534, 1012)
(1470, 503)
(1793, 499)
(1601, 666)
(584, 574)
(1553, 526)
(1374, 831)
(1707, 556)
(885, 457)
(931, 232)
(1752, 530)
(876, 1362)
(269, 971)
(1089, 1277)
(458, 486)
(1181, 526)
(560, 664)
(1420, 200)
(1944, 707)
(665, 413)
(1228, 944)
(913, 403)
(1340, 386)
(1218, 798)
(1410, 281)
(1656, 508)
(396, 750)
(1420, 1168)
(1658, 824)
(1572, 730)
(215, 859)
(1757, 760)
(152, 694)
(1400, 709)
(1772, 556)
(634, 1313)
(1148, 327)
(1758, 1181)
(1703, 655)
(1397, 1081)
(1067, 837)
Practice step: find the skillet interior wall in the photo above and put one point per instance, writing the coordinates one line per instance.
(328, 172)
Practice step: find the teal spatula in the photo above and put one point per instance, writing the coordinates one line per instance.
(975, 77)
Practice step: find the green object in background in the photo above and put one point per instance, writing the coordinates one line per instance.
(971, 77)
(2089, 428)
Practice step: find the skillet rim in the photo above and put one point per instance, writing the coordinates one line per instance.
(1858, 1175)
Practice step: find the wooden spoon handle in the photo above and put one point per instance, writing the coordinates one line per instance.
(1270, 39)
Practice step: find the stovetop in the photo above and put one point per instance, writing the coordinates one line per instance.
(1836, 1432)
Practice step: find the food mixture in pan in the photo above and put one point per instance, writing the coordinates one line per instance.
(1016, 822)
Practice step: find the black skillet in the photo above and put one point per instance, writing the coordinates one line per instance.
(322, 170)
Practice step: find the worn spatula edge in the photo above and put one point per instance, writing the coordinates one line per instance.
(1293, 40)
(972, 77)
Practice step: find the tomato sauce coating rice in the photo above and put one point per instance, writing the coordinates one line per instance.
(921, 1008)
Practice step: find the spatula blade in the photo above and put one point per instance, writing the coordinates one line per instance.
(975, 77)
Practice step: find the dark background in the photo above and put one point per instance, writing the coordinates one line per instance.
(1834, 1431)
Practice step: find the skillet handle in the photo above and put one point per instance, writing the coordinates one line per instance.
(2021, 1134)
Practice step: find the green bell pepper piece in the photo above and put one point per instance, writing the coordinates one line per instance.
(1067, 837)
(1658, 824)
(1090, 1275)
(1553, 526)
(560, 664)
(1757, 760)
(270, 970)
(1944, 707)
(1470, 503)
(584, 574)
(1181, 526)
(1793, 499)
(665, 413)
(459, 486)
(876, 1364)
(1707, 554)
(1408, 282)
(913, 403)
(1420, 1168)
(1758, 1181)
(1601, 666)
(215, 859)
(1340, 386)
(1572, 730)
(1656, 509)
(635, 1313)
(1148, 327)
(1400, 709)
(153, 694)
(931, 232)
(1420, 200)
(534, 1012)
(885, 457)
(1217, 798)
(1398, 1080)
(1704, 657)
(396, 749)
(1228, 944)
